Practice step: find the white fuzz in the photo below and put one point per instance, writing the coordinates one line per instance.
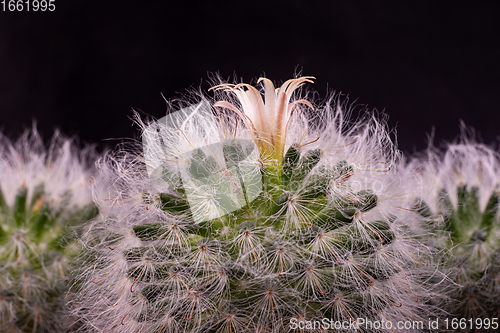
(28, 164)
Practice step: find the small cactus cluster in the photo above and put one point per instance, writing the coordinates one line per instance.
(459, 189)
(43, 193)
(252, 215)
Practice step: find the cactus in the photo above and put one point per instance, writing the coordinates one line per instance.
(254, 215)
(43, 193)
(460, 191)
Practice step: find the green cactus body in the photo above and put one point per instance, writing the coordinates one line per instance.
(461, 192)
(224, 238)
(37, 210)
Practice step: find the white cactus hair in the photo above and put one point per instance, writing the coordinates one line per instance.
(118, 261)
(62, 166)
(464, 162)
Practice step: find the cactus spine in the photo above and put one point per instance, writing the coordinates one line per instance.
(43, 192)
(253, 215)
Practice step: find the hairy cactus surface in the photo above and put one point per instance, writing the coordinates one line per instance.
(460, 190)
(255, 214)
(43, 192)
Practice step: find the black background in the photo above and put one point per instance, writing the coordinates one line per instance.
(83, 67)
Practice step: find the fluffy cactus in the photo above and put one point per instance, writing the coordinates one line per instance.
(255, 214)
(43, 192)
(460, 191)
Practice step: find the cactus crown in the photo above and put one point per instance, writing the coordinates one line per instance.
(220, 227)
